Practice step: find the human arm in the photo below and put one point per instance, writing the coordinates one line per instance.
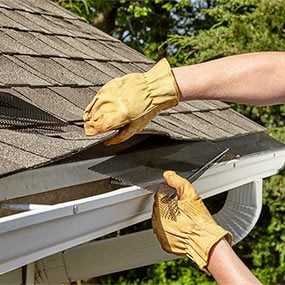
(227, 268)
(130, 102)
(253, 78)
(185, 227)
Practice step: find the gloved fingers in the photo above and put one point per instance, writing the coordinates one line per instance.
(158, 209)
(184, 188)
(99, 107)
(104, 122)
(158, 198)
(87, 112)
(125, 133)
(102, 98)
(154, 220)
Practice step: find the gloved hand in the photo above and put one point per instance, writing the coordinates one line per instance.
(130, 102)
(184, 226)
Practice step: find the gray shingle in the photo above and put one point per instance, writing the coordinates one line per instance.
(18, 5)
(21, 18)
(158, 129)
(144, 66)
(37, 144)
(52, 103)
(85, 70)
(3, 5)
(177, 121)
(239, 120)
(33, 71)
(10, 45)
(111, 53)
(52, 69)
(220, 123)
(9, 22)
(59, 45)
(80, 46)
(218, 104)
(14, 93)
(201, 105)
(70, 29)
(182, 107)
(43, 23)
(98, 50)
(126, 52)
(199, 126)
(80, 96)
(49, 7)
(80, 139)
(33, 42)
(107, 68)
(95, 88)
(18, 112)
(53, 24)
(103, 50)
(176, 125)
(23, 158)
(13, 74)
(7, 165)
(53, 43)
(126, 67)
(81, 25)
(69, 49)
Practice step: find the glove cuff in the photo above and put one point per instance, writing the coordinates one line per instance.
(200, 255)
(162, 86)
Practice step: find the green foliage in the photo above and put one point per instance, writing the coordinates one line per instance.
(80, 7)
(173, 272)
(268, 116)
(237, 26)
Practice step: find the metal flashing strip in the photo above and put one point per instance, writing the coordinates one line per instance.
(46, 231)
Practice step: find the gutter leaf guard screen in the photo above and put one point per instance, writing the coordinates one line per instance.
(19, 115)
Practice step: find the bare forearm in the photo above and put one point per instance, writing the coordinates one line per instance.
(256, 78)
(227, 268)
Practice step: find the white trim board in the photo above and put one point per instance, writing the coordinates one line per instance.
(46, 231)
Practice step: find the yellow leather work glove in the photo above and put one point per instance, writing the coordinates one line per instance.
(184, 226)
(130, 102)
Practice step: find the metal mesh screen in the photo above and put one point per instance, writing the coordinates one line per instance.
(19, 115)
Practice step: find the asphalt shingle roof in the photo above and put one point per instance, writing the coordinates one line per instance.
(52, 65)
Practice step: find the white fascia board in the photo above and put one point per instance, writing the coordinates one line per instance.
(30, 236)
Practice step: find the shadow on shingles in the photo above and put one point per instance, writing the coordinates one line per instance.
(19, 115)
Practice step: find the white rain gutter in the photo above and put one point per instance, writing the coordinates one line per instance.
(33, 235)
